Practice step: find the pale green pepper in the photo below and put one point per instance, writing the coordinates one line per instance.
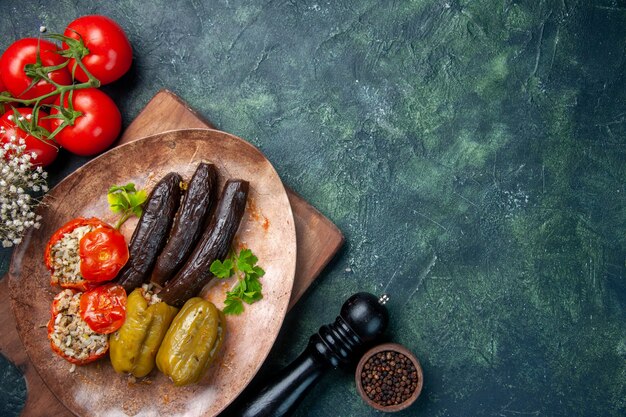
(133, 348)
(192, 342)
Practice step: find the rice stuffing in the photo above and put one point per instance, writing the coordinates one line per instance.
(147, 290)
(65, 258)
(70, 334)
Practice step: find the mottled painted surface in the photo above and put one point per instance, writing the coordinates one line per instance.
(473, 153)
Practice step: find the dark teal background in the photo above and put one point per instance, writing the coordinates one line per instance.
(473, 153)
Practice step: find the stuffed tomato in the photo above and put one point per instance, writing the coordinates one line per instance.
(85, 252)
(70, 336)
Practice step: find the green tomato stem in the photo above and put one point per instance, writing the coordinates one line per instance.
(70, 115)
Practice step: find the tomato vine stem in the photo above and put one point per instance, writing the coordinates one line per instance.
(76, 50)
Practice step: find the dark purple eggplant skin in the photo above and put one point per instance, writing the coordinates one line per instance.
(214, 244)
(188, 224)
(151, 232)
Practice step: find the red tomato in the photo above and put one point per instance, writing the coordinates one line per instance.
(97, 126)
(23, 52)
(110, 54)
(103, 252)
(104, 308)
(46, 150)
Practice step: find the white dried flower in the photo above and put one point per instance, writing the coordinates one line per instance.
(18, 179)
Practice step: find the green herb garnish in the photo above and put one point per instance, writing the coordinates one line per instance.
(248, 287)
(128, 201)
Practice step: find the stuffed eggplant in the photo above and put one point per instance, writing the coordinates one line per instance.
(188, 224)
(214, 244)
(151, 232)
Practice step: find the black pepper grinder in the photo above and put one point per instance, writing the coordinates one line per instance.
(362, 320)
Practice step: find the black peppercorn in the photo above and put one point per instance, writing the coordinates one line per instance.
(381, 382)
(389, 377)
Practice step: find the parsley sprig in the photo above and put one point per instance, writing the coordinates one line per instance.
(248, 287)
(127, 200)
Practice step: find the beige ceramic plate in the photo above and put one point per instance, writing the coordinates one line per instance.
(267, 228)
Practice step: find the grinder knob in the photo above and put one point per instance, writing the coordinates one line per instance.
(366, 315)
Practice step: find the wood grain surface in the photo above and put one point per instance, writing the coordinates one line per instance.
(318, 240)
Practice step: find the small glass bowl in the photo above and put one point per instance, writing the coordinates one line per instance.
(393, 348)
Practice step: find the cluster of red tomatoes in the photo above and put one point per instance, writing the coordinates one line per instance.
(50, 94)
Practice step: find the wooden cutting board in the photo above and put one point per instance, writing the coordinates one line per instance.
(318, 240)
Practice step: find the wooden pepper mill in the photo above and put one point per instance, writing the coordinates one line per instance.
(362, 320)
